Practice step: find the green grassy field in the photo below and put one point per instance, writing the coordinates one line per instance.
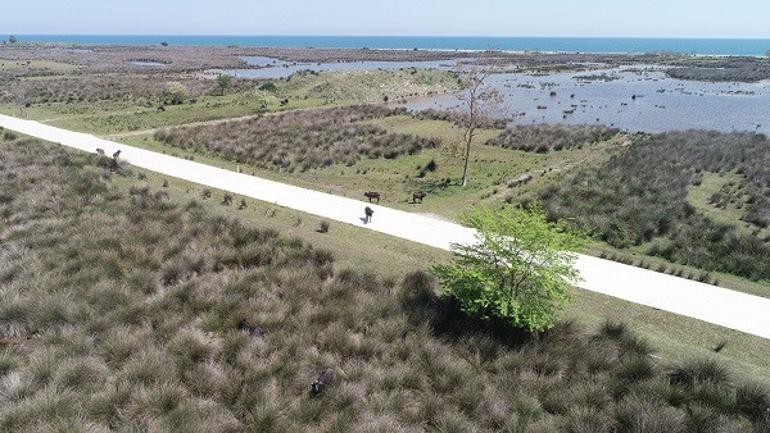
(37, 66)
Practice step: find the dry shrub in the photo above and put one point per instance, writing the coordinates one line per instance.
(300, 140)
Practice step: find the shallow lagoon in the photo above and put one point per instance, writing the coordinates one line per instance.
(632, 98)
(272, 69)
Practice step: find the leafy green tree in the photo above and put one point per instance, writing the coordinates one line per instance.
(519, 270)
(177, 93)
(224, 82)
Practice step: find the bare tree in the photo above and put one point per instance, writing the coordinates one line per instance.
(20, 99)
(477, 101)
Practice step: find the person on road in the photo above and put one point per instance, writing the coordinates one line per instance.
(369, 213)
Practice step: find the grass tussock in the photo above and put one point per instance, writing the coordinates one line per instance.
(132, 313)
(140, 89)
(546, 138)
(300, 140)
(640, 198)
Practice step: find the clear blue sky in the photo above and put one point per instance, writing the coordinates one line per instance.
(643, 18)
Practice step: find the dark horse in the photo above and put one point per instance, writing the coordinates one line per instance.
(369, 213)
(324, 379)
(372, 195)
(419, 196)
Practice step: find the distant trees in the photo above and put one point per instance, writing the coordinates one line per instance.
(519, 270)
(224, 82)
(476, 102)
(12, 39)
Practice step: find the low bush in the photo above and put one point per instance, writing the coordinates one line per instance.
(545, 138)
(147, 89)
(640, 197)
(323, 227)
(300, 140)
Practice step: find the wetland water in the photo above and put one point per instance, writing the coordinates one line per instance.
(630, 98)
(272, 69)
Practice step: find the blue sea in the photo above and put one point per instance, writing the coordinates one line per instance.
(746, 47)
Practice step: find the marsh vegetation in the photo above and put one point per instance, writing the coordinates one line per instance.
(545, 138)
(639, 199)
(122, 311)
(300, 140)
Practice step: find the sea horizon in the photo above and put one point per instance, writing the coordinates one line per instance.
(594, 45)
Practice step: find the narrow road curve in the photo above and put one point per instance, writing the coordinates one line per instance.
(728, 308)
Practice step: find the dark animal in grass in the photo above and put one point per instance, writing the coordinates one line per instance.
(419, 196)
(161, 109)
(253, 330)
(324, 379)
(369, 212)
(227, 200)
(100, 151)
(116, 155)
(372, 195)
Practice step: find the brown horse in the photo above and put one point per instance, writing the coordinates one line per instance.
(372, 195)
(419, 196)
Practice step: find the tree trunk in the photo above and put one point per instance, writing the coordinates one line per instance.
(468, 143)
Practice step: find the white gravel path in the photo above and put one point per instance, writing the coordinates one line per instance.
(728, 308)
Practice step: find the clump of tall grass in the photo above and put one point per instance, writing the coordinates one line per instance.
(640, 197)
(131, 313)
(546, 138)
(300, 140)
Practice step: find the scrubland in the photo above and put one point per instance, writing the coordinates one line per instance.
(121, 312)
(640, 198)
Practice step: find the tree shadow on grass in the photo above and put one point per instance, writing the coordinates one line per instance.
(446, 320)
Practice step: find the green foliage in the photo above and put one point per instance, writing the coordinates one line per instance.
(177, 93)
(269, 86)
(224, 82)
(12, 39)
(518, 271)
